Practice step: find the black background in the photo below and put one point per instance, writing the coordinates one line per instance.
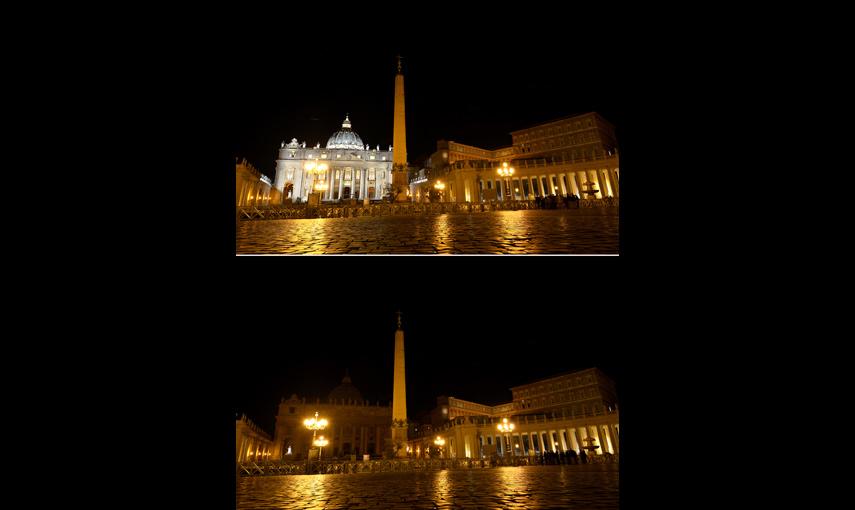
(204, 335)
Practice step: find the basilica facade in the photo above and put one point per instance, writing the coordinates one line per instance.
(345, 169)
(356, 427)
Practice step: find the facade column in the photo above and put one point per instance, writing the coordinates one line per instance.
(571, 436)
(600, 184)
(605, 433)
(377, 184)
(614, 436)
(577, 432)
(604, 188)
(580, 181)
(571, 184)
(600, 440)
(340, 182)
(613, 178)
(364, 184)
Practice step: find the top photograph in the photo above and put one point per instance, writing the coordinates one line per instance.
(424, 153)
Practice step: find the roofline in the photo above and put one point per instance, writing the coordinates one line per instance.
(559, 375)
(562, 119)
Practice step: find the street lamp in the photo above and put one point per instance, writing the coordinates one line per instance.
(314, 168)
(321, 186)
(439, 442)
(507, 428)
(320, 443)
(314, 424)
(506, 172)
(439, 186)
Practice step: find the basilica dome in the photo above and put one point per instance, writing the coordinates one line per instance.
(346, 391)
(346, 138)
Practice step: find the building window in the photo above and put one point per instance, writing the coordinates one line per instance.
(370, 174)
(291, 410)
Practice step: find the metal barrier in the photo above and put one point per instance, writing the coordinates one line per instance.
(274, 468)
(292, 211)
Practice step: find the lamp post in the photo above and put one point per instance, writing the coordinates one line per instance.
(320, 443)
(439, 442)
(321, 186)
(506, 428)
(506, 172)
(314, 424)
(439, 187)
(314, 168)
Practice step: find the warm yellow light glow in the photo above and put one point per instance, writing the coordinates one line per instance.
(322, 167)
(309, 166)
(315, 423)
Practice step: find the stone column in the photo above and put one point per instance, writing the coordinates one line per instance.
(571, 436)
(604, 188)
(614, 180)
(604, 446)
(604, 433)
(615, 439)
(577, 434)
(604, 185)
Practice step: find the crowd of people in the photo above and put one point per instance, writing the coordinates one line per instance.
(552, 202)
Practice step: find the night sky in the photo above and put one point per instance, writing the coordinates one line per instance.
(473, 88)
(475, 350)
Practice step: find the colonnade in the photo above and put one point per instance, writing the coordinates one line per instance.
(530, 186)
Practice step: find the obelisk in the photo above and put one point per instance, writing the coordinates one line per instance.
(399, 140)
(399, 396)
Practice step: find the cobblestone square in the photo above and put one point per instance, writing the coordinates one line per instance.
(592, 486)
(591, 231)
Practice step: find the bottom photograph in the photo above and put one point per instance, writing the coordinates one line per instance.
(405, 411)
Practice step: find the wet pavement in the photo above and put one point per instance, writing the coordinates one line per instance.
(580, 231)
(575, 487)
